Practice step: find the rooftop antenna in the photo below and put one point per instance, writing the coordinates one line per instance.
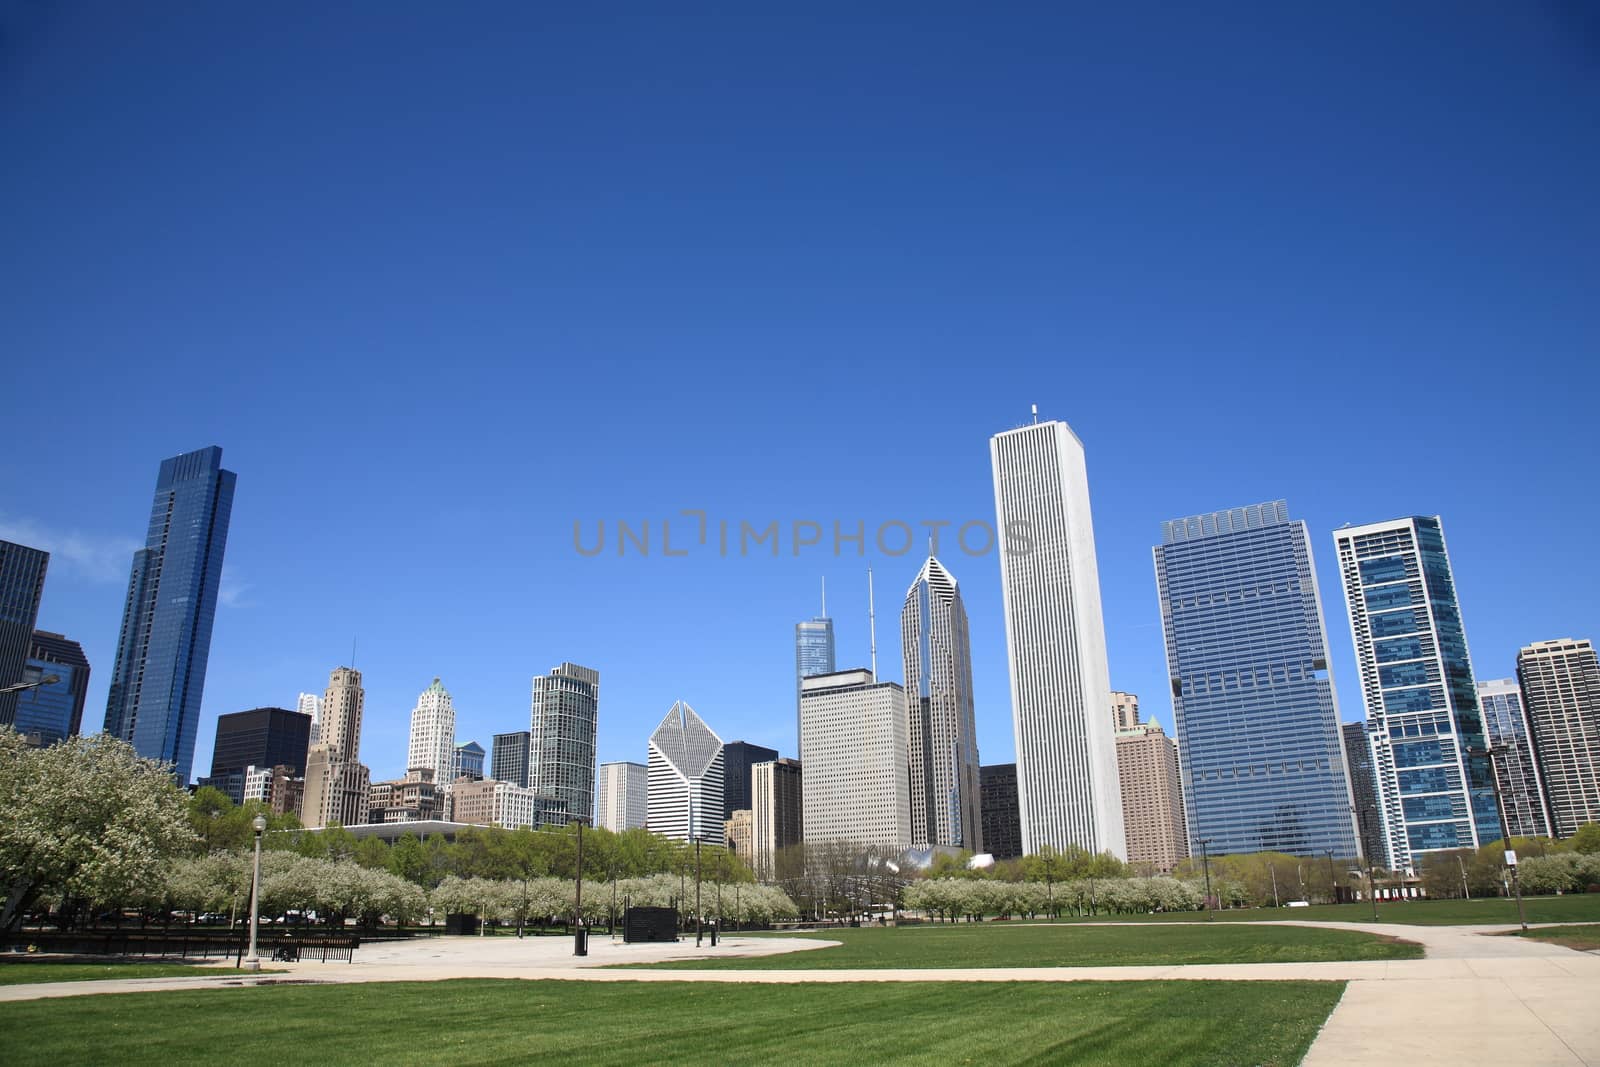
(824, 614)
(352, 652)
(1036, 414)
(872, 626)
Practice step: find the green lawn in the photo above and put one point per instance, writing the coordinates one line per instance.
(1585, 938)
(1013, 945)
(17, 971)
(1487, 911)
(511, 1022)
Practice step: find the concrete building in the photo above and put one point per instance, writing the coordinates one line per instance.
(1002, 816)
(1067, 784)
(624, 796)
(1364, 791)
(22, 571)
(737, 831)
(1416, 677)
(738, 757)
(433, 734)
(561, 752)
(508, 760)
(54, 712)
(1124, 710)
(941, 726)
(685, 778)
(777, 805)
(413, 798)
(336, 782)
(1560, 683)
(857, 778)
(1516, 771)
(1152, 791)
(311, 704)
(486, 802)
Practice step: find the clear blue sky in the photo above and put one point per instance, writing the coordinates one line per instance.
(443, 280)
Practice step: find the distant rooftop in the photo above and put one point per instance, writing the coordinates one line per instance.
(1232, 520)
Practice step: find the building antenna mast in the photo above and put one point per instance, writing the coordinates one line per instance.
(1036, 414)
(824, 614)
(872, 626)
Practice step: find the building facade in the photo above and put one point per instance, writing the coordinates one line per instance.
(413, 798)
(1152, 797)
(160, 671)
(686, 779)
(467, 761)
(22, 571)
(1002, 815)
(1560, 683)
(432, 743)
(1255, 711)
(737, 832)
(261, 737)
(738, 757)
(54, 712)
(336, 783)
(1416, 678)
(566, 714)
(624, 796)
(1124, 710)
(311, 704)
(486, 802)
(813, 655)
(777, 806)
(941, 722)
(508, 759)
(1515, 769)
(1364, 791)
(857, 778)
(1068, 791)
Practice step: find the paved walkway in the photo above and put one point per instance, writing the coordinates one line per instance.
(1476, 998)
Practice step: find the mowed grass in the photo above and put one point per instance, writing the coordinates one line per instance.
(1585, 938)
(1015, 945)
(574, 1022)
(19, 971)
(1486, 911)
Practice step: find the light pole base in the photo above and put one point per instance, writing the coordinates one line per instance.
(251, 963)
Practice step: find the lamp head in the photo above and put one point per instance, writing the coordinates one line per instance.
(260, 823)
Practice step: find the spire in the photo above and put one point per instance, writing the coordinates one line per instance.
(872, 626)
(824, 614)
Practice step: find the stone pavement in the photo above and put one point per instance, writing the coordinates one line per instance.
(1476, 998)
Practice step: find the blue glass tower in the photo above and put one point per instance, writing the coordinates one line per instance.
(813, 655)
(160, 670)
(53, 712)
(1256, 712)
(22, 572)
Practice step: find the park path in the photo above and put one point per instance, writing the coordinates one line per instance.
(1476, 999)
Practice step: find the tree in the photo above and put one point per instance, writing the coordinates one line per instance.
(1587, 839)
(87, 820)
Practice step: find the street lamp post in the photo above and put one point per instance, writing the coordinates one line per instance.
(49, 679)
(697, 930)
(1333, 881)
(252, 962)
(1505, 831)
(1205, 860)
(580, 944)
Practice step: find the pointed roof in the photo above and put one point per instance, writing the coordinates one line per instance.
(939, 580)
(686, 741)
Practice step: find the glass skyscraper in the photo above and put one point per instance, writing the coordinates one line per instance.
(561, 752)
(53, 712)
(1521, 790)
(1416, 678)
(1257, 716)
(21, 587)
(813, 655)
(160, 670)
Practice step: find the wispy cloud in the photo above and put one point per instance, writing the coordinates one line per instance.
(231, 592)
(95, 557)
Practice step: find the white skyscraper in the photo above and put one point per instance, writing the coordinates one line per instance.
(1068, 788)
(857, 782)
(433, 734)
(311, 704)
(685, 778)
(624, 801)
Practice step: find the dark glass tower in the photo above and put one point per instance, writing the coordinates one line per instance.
(261, 737)
(509, 762)
(21, 585)
(737, 759)
(160, 671)
(54, 712)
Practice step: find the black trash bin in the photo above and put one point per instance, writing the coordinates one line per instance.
(580, 942)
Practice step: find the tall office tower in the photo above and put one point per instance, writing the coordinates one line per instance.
(561, 760)
(813, 654)
(1364, 791)
(858, 780)
(433, 734)
(508, 758)
(737, 759)
(1067, 785)
(1255, 709)
(1124, 710)
(737, 832)
(336, 782)
(941, 729)
(1517, 772)
(1561, 692)
(263, 738)
(311, 704)
(160, 670)
(53, 712)
(624, 796)
(1002, 817)
(686, 778)
(1152, 797)
(467, 761)
(21, 587)
(777, 801)
(1416, 677)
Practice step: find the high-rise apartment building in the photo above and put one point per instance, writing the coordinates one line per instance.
(311, 704)
(1124, 710)
(22, 572)
(857, 776)
(686, 778)
(624, 796)
(737, 759)
(261, 737)
(1416, 678)
(561, 759)
(813, 654)
(776, 812)
(1067, 785)
(941, 726)
(54, 712)
(336, 782)
(1152, 791)
(1364, 791)
(433, 734)
(1002, 816)
(1561, 694)
(467, 761)
(1515, 769)
(508, 759)
(1254, 706)
(165, 643)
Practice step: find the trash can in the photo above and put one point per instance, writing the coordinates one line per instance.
(580, 942)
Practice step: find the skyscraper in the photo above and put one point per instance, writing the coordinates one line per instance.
(857, 782)
(262, 737)
(1416, 678)
(1067, 786)
(53, 712)
(160, 670)
(737, 759)
(1521, 788)
(508, 758)
(1254, 706)
(561, 756)
(1002, 818)
(467, 761)
(336, 781)
(433, 734)
(777, 803)
(311, 704)
(1561, 693)
(1124, 710)
(941, 730)
(624, 801)
(813, 654)
(1364, 791)
(21, 588)
(686, 779)
(1152, 793)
